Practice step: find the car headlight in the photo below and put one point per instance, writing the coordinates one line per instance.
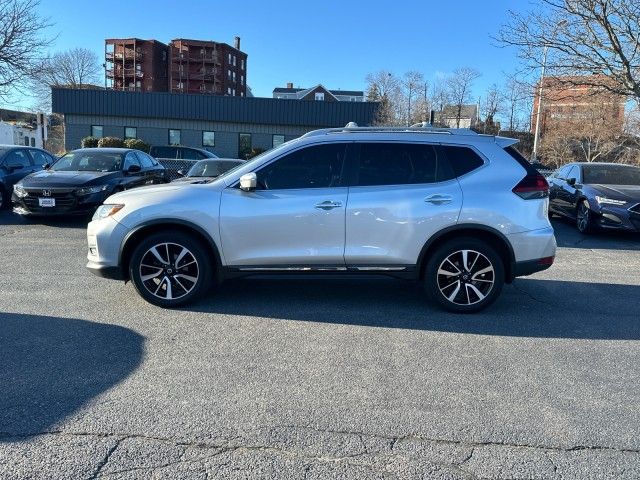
(19, 190)
(107, 210)
(609, 201)
(90, 190)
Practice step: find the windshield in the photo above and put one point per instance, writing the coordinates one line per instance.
(88, 162)
(612, 174)
(212, 168)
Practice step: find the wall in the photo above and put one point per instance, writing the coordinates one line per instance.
(155, 131)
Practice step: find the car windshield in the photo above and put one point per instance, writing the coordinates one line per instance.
(212, 168)
(612, 174)
(88, 162)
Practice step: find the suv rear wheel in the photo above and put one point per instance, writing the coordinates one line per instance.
(464, 275)
(170, 269)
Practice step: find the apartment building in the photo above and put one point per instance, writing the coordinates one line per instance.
(136, 65)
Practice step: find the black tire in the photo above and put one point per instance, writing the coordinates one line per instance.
(584, 220)
(169, 284)
(4, 198)
(464, 290)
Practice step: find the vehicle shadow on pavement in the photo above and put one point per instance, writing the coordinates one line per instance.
(527, 308)
(568, 236)
(9, 218)
(50, 367)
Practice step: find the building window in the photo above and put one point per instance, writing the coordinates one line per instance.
(33, 141)
(96, 131)
(229, 59)
(26, 141)
(174, 137)
(234, 60)
(228, 90)
(277, 140)
(234, 92)
(208, 139)
(244, 145)
(241, 79)
(320, 96)
(234, 76)
(130, 132)
(242, 64)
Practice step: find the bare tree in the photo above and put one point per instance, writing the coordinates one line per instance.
(413, 93)
(384, 87)
(587, 136)
(21, 43)
(516, 102)
(75, 68)
(582, 38)
(491, 105)
(459, 86)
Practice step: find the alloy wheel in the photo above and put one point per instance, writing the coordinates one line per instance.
(466, 277)
(583, 217)
(169, 271)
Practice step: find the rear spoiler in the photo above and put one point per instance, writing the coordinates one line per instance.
(505, 142)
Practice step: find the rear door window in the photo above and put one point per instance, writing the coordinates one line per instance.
(462, 159)
(41, 158)
(401, 164)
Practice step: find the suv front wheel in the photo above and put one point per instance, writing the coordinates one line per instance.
(170, 269)
(464, 275)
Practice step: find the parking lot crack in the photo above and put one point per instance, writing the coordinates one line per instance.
(105, 460)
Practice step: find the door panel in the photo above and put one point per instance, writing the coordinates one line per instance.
(283, 227)
(390, 224)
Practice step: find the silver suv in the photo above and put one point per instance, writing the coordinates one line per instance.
(461, 212)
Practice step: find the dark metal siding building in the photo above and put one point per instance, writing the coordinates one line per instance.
(222, 124)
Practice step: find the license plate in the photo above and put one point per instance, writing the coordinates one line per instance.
(47, 202)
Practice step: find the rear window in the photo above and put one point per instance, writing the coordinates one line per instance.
(462, 159)
(517, 156)
(164, 152)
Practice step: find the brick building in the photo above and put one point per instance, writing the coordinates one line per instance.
(136, 65)
(183, 66)
(198, 66)
(565, 99)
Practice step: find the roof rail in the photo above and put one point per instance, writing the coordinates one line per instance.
(325, 131)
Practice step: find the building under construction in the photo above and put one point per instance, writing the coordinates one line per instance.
(183, 66)
(136, 65)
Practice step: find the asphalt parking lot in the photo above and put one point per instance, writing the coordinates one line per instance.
(308, 378)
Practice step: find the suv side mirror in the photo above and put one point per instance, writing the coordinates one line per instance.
(180, 172)
(134, 168)
(248, 182)
(571, 181)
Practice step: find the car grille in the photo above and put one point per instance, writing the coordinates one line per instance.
(65, 199)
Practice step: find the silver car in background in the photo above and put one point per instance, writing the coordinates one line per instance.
(461, 212)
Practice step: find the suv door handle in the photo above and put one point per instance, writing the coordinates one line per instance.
(438, 199)
(328, 205)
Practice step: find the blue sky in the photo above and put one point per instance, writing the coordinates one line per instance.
(333, 43)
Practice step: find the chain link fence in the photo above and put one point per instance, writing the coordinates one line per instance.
(172, 166)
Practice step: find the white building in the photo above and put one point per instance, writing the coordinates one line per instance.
(22, 134)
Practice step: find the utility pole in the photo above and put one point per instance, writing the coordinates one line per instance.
(536, 135)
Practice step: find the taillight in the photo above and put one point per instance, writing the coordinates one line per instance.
(532, 186)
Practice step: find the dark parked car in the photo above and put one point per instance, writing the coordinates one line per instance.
(175, 152)
(597, 195)
(17, 162)
(79, 181)
(206, 170)
(176, 158)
